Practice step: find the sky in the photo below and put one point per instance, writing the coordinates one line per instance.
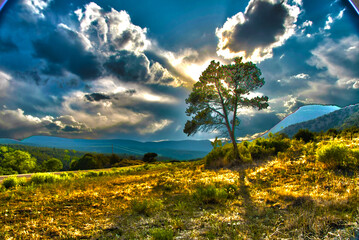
(123, 69)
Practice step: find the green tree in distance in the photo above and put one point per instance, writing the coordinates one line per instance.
(53, 165)
(219, 93)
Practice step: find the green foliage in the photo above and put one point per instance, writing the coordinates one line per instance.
(40, 178)
(74, 165)
(259, 149)
(44, 153)
(91, 174)
(146, 207)
(88, 161)
(210, 194)
(150, 157)
(305, 135)
(53, 165)
(10, 182)
(338, 155)
(15, 161)
(161, 234)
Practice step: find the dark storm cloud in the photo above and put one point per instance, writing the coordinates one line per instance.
(6, 46)
(64, 48)
(96, 97)
(128, 66)
(264, 22)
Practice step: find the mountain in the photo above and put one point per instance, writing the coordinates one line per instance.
(8, 141)
(181, 150)
(303, 114)
(340, 119)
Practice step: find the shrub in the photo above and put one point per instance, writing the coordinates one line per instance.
(209, 194)
(40, 178)
(337, 155)
(150, 157)
(146, 207)
(91, 174)
(21, 181)
(161, 234)
(294, 152)
(305, 135)
(10, 182)
(223, 156)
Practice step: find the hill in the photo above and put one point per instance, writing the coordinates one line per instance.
(181, 150)
(338, 119)
(292, 196)
(303, 114)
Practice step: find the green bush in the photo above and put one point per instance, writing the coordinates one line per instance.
(305, 135)
(40, 178)
(261, 148)
(21, 181)
(10, 182)
(91, 174)
(210, 194)
(161, 234)
(146, 207)
(338, 155)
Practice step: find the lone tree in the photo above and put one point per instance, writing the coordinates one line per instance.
(150, 157)
(219, 93)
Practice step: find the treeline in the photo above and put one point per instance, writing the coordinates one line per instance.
(308, 136)
(18, 159)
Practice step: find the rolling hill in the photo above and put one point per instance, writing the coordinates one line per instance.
(181, 150)
(339, 119)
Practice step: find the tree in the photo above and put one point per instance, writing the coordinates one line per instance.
(305, 135)
(53, 165)
(87, 161)
(19, 161)
(149, 157)
(219, 93)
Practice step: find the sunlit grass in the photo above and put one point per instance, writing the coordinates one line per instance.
(277, 199)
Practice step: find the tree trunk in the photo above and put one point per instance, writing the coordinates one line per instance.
(235, 147)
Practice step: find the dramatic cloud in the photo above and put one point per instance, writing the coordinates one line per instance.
(16, 124)
(253, 34)
(111, 31)
(340, 59)
(117, 69)
(73, 56)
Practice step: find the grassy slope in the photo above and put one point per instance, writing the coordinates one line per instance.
(272, 200)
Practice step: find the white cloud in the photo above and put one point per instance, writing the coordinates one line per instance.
(330, 20)
(17, 124)
(37, 6)
(340, 59)
(4, 83)
(111, 31)
(301, 76)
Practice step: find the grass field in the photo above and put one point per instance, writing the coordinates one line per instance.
(276, 199)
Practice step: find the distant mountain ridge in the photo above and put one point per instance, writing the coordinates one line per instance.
(302, 114)
(181, 150)
(339, 119)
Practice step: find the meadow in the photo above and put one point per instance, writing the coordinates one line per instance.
(293, 195)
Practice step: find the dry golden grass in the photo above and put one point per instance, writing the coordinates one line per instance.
(278, 199)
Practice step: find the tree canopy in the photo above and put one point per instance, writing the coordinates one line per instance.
(218, 95)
